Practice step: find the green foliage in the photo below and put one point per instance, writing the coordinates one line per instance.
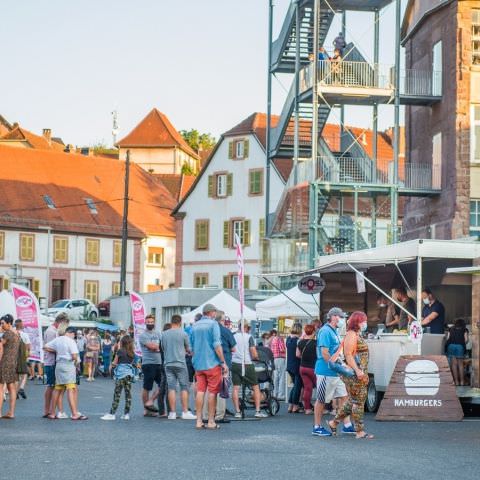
(198, 141)
(187, 169)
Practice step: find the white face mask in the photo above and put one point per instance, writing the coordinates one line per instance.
(426, 301)
(382, 305)
(340, 323)
(363, 327)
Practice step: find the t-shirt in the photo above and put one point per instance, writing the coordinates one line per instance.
(81, 343)
(149, 357)
(308, 350)
(228, 342)
(244, 342)
(205, 337)
(327, 338)
(123, 357)
(293, 362)
(25, 338)
(438, 324)
(49, 335)
(175, 342)
(65, 348)
(411, 307)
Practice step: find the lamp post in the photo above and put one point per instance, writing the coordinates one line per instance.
(47, 291)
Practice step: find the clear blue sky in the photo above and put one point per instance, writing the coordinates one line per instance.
(69, 64)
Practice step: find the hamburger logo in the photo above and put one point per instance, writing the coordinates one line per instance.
(422, 377)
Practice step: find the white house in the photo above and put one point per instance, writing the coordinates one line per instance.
(227, 198)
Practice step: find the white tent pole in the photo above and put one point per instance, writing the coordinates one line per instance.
(380, 290)
(419, 295)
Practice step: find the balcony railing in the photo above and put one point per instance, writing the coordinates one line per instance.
(420, 83)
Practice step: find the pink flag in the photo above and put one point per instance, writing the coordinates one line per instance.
(138, 319)
(27, 309)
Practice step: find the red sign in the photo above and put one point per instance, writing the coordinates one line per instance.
(138, 319)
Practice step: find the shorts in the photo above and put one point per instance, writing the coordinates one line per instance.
(455, 350)
(68, 386)
(329, 388)
(250, 377)
(151, 373)
(210, 380)
(177, 373)
(93, 359)
(49, 372)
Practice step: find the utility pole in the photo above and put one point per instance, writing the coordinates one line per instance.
(269, 121)
(123, 268)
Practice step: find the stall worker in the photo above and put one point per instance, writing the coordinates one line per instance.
(433, 312)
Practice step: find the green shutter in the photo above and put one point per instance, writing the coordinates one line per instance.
(246, 232)
(251, 176)
(246, 144)
(197, 235)
(226, 234)
(211, 184)
(230, 150)
(229, 184)
(261, 229)
(246, 282)
(226, 281)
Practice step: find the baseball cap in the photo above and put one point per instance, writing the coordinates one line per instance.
(209, 308)
(336, 311)
(71, 330)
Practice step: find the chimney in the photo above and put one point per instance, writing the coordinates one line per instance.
(47, 135)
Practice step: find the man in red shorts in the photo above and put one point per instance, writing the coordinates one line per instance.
(209, 363)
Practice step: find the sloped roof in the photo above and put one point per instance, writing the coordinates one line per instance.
(5, 123)
(177, 184)
(27, 175)
(35, 141)
(155, 130)
(256, 123)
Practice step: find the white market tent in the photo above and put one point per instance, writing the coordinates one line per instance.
(281, 306)
(225, 302)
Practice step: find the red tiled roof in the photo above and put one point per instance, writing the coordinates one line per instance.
(284, 166)
(177, 184)
(35, 141)
(155, 130)
(29, 174)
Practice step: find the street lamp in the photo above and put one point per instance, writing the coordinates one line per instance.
(47, 294)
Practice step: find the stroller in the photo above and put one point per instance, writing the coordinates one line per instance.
(264, 367)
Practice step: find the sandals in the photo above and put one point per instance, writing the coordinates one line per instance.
(216, 427)
(7, 417)
(333, 426)
(151, 408)
(365, 436)
(80, 417)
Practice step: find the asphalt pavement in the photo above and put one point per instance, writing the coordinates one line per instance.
(280, 447)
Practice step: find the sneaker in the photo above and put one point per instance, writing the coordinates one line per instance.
(261, 414)
(62, 416)
(108, 416)
(350, 429)
(125, 416)
(172, 416)
(321, 432)
(188, 415)
(238, 415)
(22, 393)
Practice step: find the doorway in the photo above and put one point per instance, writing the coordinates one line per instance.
(58, 290)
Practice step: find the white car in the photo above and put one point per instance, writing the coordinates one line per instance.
(81, 309)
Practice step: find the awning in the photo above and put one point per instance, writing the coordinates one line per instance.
(106, 327)
(465, 270)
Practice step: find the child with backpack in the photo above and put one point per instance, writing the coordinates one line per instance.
(124, 375)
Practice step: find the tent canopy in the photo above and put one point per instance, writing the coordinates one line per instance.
(281, 306)
(225, 302)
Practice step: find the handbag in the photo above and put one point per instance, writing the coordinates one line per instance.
(339, 366)
(89, 355)
(225, 388)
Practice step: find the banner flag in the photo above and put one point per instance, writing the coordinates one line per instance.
(28, 310)
(138, 319)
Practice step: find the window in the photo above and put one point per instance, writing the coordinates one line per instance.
(200, 280)
(238, 149)
(475, 215)
(2, 245)
(115, 288)
(91, 290)
(156, 256)
(231, 281)
(117, 253)
(92, 251)
(201, 234)
(255, 182)
(437, 161)
(437, 67)
(92, 207)
(261, 229)
(50, 203)
(220, 185)
(60, 249)
(475, 36)
(154, 288)
(35, 287)
(475, 133)
(4, 283)
(238, 226)
(27, 247)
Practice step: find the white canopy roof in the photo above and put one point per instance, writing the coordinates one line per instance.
(281, 306)
(223, 301)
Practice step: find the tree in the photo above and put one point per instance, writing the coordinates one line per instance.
(198, 141)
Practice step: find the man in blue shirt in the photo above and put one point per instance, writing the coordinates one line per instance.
(433, 312)
(329, 384)
(208, 361)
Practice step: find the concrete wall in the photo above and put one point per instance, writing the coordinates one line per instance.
(159, 160)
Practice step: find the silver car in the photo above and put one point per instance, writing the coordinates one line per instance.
(81, 309)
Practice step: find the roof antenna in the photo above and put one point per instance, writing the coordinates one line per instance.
(114, 126)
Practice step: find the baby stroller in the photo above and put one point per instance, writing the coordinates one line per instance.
(264, 367)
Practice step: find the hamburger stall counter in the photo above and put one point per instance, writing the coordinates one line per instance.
(384, 352)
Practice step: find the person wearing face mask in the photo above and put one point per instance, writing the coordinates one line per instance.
(329, 385)
(433, 312)
(355, 349)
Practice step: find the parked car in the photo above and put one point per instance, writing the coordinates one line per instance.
(79, 309)
(104, 306)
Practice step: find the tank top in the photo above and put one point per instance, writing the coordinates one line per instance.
(362, 353)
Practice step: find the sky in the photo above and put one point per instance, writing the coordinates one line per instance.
(203, 63)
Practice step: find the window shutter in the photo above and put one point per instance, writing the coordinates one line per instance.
(261, 229)
(246, 282)
(246, 232)
(251, 177)
(246, 145)
(36, 288)
(231, 146)
(229, 184)
(6, 284)
(226, 234)
(211, 185)
(226, 281)
(197, 235)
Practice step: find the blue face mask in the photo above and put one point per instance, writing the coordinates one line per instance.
(341, 323)
(363, 327)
